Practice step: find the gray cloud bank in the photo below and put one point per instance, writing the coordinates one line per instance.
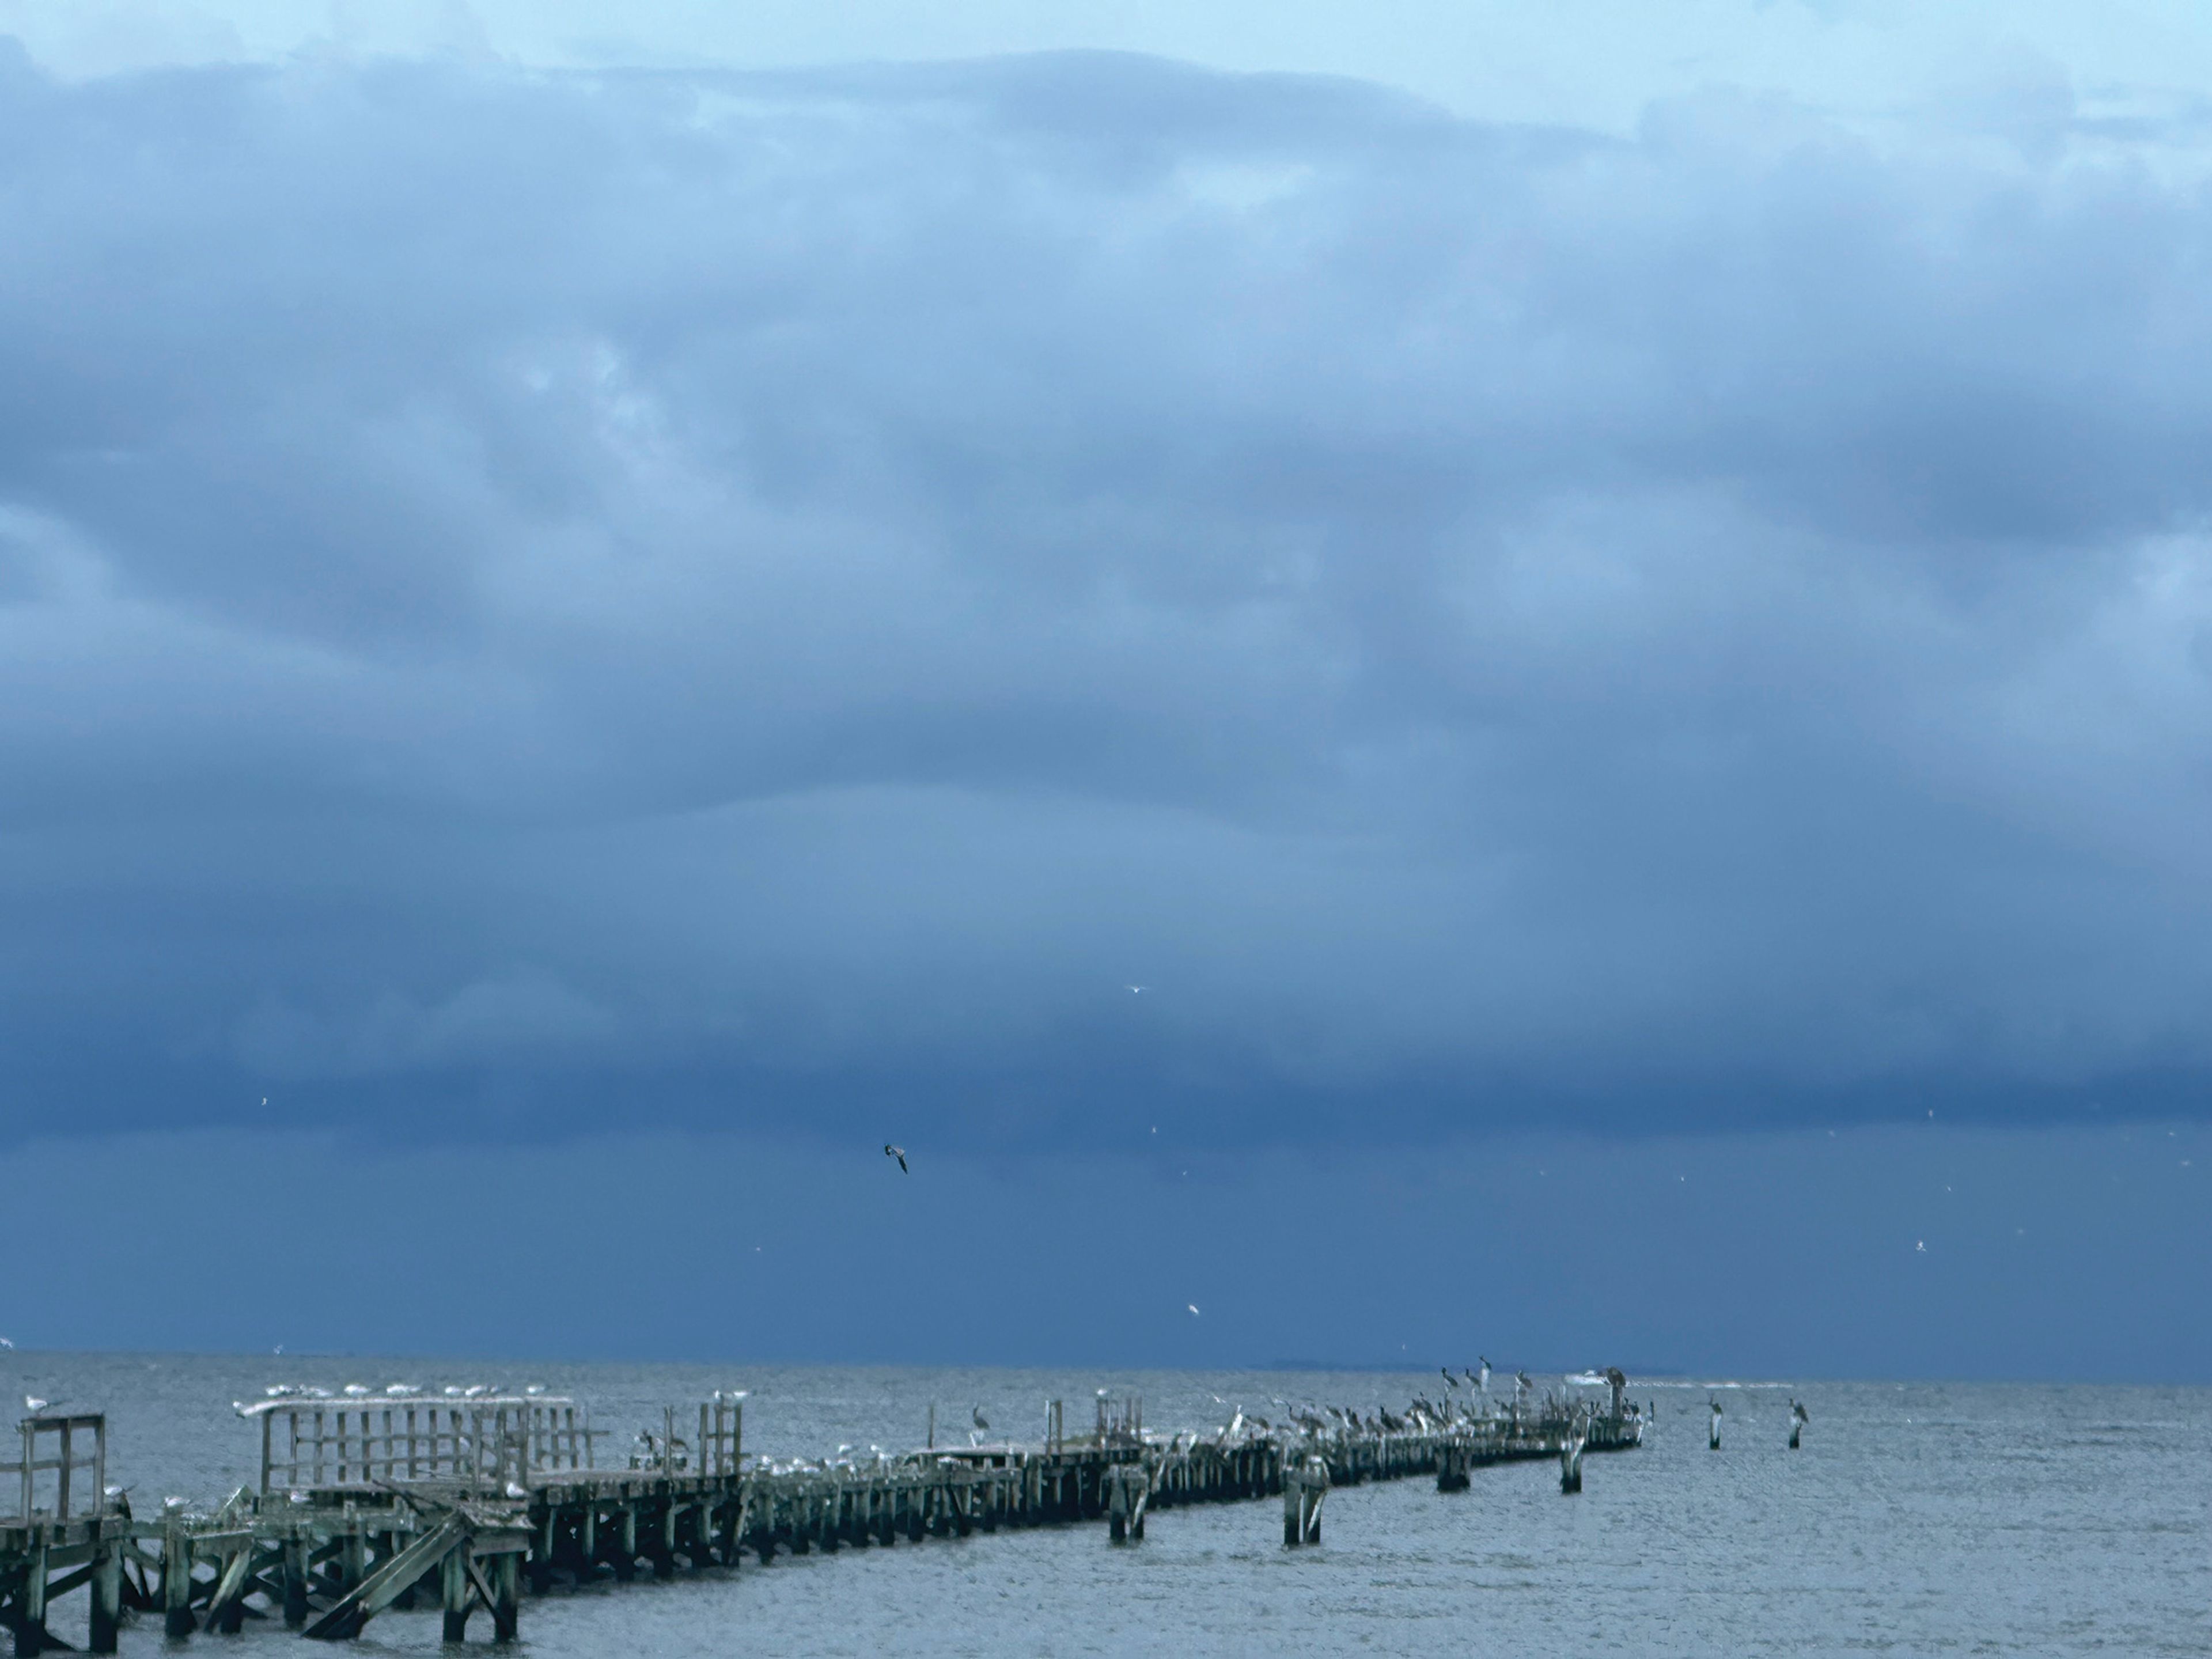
(772, 599)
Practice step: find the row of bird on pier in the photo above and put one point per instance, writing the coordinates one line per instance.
(392, 1391)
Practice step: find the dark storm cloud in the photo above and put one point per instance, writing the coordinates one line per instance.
(742, 599)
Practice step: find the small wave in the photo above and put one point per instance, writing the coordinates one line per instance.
(1653, 1383)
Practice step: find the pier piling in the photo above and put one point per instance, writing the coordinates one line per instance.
(177, 1618)
(453, 1585)
(1305, 1487)
(107, 1593)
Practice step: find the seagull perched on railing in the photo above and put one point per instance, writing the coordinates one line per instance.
(33, 1403)
(356, 1391)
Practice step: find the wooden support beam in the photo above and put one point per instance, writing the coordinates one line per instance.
(381, 1588)
(295, 1581)
(106, 1595)
(454, 1582)
(177, 1618)
(31, 1603)
(225, 1600)
(506, 1589)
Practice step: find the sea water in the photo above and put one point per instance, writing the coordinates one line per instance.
(1918, 1518)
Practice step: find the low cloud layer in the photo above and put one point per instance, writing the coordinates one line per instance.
(747, 600)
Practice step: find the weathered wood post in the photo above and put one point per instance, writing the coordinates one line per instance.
(1571, 1459)
(1305, 1484)
(176, 1578)
(1451, 1466)
(1129, 1490)
(353, 1557)
(295, 1581)
(31, 1600)
(1713, 1439)
(454, 1582)
(664, 1553)
(1797, 1421)
(507, 1595)
(106, 1588)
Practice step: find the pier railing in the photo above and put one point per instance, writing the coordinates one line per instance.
(489, 1442)
(52, 1446)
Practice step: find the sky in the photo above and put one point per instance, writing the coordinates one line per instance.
(1237, 626)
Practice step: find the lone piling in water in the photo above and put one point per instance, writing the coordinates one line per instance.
(1713, 1443)
(1305, 1484)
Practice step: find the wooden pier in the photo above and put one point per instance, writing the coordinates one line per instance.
(462, 1502)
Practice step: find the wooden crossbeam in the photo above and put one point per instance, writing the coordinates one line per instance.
(385, 1586)
(231, 1586)
(476, 1578)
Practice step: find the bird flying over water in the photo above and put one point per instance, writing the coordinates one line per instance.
(1192, 1306)
(898, 1153)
